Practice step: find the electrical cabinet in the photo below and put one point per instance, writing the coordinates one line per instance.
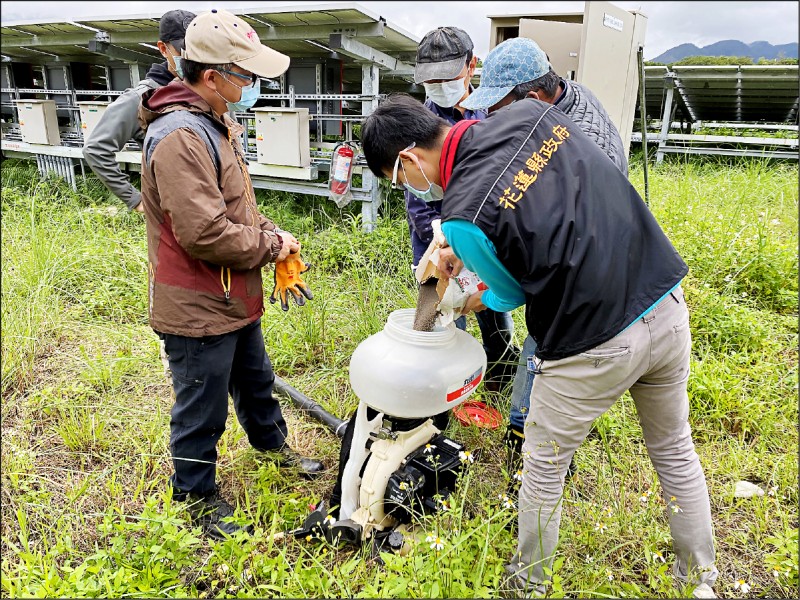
(91, 113)
(597, 48)
(38, 122)
(283, 136)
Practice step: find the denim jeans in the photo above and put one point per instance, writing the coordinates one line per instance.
(204, 371)
(523, 384)
(497, 333)
(651, 359)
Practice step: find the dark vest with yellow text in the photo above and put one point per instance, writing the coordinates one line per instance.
(565, 222)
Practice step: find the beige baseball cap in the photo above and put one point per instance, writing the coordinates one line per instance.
(219, 37)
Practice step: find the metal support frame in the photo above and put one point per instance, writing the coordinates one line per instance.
(265, 34)
(361, 52)
(62, 166)
(756, 153)
(136, 73)
(45, 83)
(760, 147)
(370, 76)
(105, 49)
(669, 85)
(643, 115)
(73, 98)
(318, 89)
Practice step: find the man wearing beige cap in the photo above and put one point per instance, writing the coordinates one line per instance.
(207, 243)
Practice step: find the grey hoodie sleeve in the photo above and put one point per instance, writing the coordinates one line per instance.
(118, 124)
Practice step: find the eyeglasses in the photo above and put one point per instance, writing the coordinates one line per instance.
(395, 184)
(252, 78)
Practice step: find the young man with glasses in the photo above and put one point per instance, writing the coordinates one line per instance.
(207, 243)
(535, 208)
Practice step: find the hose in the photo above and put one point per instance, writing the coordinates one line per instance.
(313, 409)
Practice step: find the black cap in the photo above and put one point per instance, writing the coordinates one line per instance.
(442, 54)
(172, 27)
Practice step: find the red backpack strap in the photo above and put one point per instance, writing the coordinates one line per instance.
(449, 148)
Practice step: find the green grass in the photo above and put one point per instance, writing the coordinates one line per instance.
(85, 412)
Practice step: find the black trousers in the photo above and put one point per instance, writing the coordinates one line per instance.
(204, 371)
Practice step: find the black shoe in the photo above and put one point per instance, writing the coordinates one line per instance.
(212, 512)
(286, 457)
(572, 469)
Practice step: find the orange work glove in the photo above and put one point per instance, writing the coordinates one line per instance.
(288, 280)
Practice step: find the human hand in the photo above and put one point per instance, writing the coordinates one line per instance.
(474, 303)
(139, 207)
(288, 281)
(290, 245)
(449, 264)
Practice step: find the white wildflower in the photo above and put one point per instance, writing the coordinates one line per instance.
(436, 542)
(742, 586)
(600, 526)
(506, 501)
(465, 456)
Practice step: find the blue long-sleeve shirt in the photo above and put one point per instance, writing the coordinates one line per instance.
(479, 255)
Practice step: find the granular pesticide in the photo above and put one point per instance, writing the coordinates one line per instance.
(425, 315)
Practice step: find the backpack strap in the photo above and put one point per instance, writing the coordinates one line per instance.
(449, 148)
(179, 119)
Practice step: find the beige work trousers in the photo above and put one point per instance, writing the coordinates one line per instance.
(651, 359)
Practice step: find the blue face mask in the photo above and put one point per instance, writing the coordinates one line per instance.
(178, 67)
(249, 97)
(434, 192)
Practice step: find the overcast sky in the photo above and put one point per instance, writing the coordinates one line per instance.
(668, 24)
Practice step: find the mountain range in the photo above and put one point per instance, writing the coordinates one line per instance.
(755, 51)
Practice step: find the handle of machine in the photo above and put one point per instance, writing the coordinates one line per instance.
(314, 410)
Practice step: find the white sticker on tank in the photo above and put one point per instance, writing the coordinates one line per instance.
(464, 389)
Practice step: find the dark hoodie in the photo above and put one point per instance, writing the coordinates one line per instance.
(206, 240)
(160, 73)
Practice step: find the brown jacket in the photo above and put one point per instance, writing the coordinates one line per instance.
(206, 240)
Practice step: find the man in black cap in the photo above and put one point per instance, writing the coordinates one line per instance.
(445, 65)
(120, 122)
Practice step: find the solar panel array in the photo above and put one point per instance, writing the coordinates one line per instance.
(745, 93)
(287, 30)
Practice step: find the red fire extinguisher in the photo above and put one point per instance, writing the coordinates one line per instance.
(341, 172)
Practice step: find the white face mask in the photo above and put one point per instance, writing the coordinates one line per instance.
(446, 94)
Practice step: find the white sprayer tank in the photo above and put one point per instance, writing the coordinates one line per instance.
(411, 374)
